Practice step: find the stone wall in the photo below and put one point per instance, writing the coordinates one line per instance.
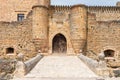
(16, 35)
(103, 35)
(103, 27)
(105, 13)
(10, 8)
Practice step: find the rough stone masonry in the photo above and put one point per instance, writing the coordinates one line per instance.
(27, 26)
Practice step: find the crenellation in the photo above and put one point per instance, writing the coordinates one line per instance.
(104, 8)
(105, 12)
(61, 8)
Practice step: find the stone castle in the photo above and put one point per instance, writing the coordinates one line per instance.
(29, 26)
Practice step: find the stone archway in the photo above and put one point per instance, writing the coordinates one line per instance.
(109, 53)
(59, 44)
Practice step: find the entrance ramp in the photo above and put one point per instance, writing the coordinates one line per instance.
(60, 68)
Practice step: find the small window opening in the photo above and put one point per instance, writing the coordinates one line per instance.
(109, 53)
(20, 17)
(10, 50)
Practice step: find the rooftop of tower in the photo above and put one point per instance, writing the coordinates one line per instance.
(86, 2)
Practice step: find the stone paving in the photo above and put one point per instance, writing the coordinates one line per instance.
(60, 68)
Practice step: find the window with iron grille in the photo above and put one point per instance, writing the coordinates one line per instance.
(20, 17)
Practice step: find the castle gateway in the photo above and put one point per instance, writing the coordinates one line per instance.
(27, 26)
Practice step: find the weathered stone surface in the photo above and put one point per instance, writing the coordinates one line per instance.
(100, 68)
(56, 67)
(86, 28)
(78, 27)
(7, 67)
(30, 64)
(22, 68)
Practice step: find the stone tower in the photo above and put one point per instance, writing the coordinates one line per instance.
(44, 2)
(40, 25)
(78, 26)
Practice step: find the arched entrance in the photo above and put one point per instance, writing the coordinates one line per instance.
(109, 53)
(59, 44)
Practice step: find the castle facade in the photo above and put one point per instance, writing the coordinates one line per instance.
(27, 26)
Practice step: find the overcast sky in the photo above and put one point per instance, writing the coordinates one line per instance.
(87, 2)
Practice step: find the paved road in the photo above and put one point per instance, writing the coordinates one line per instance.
(60, 68)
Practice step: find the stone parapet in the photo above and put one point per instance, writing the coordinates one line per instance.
(32, 62)
(100, 68)
(22, 68)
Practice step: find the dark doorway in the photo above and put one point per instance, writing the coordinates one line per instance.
(109, 53)
(59, 44)
(10, 50)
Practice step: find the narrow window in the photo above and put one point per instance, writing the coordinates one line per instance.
(9, 50)
(20, 17)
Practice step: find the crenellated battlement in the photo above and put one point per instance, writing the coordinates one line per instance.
(106, 9)
(62, 8)
(105, 13)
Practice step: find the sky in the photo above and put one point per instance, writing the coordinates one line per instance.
(86, 2)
